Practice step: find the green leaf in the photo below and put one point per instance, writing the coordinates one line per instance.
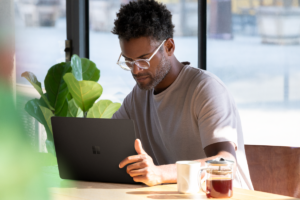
(32, 107)
(50, 147)
(76, 67)
(84, 69)
(69, 96)
(47, 115)
(49, 133)
(37, 85)
(56, 87)
(74, 110)
(90, 71)
(103, 109)
(85, 93)
(47, 128)
(64, 110)
(42, 102)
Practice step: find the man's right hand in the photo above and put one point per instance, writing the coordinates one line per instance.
(141, 167)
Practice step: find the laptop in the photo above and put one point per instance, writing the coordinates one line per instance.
(91, 149)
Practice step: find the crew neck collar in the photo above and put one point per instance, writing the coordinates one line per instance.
(160, 95)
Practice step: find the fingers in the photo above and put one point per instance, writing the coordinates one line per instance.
(138, 172)
(140, 179)
(132, 159)
(138, 147)
(139, 165)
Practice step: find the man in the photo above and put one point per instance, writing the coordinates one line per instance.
(180, 112)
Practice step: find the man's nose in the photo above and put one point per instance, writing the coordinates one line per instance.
(136, 69)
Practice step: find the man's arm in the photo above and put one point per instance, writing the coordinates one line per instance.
(142, 168)
(221, 149)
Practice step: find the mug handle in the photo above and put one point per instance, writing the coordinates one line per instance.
(200, 183)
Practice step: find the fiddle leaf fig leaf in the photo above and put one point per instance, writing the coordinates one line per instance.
(76, 67)
(56, 87)
(47, 115)
(69, 96)
(74, 110)
(64, 110)
(32, 107)
(42, 102)
(84, 69)
(85, 93)
(37, 85)
(103, 109)
(50, 147)
(90, 71)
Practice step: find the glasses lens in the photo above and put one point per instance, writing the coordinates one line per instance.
(128, 65)
(142, 64)
(125, 65)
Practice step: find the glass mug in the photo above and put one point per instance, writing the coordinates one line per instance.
(219, 175)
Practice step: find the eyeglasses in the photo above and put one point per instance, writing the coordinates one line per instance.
(141, 63)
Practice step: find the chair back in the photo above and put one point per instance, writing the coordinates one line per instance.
(274, 169)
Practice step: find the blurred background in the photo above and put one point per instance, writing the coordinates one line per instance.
(252, 46)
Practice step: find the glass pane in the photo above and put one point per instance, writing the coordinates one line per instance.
(40, 27)
(105, 49)
(253, 46)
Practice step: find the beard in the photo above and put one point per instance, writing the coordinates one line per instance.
(161, 71)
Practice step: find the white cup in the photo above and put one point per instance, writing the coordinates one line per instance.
(188, 180)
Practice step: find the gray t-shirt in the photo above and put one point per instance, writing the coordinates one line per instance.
(177, 124)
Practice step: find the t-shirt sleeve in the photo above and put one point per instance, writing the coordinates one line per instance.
(123, 112)
(216, 113)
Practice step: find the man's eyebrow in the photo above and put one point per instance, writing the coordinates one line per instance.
(143, 55)
(137, 57)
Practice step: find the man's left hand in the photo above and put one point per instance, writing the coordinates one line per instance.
(143, 169)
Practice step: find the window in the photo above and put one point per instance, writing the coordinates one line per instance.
(253, 47)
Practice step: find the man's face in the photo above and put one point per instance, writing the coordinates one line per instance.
(143, 48)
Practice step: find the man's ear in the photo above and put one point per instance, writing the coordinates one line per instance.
(170, 46)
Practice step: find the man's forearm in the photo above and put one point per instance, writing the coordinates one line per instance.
(169, 172)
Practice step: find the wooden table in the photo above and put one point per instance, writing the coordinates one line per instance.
(80, 190)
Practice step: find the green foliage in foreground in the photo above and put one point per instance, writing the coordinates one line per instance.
(72, 89)
(20, 167)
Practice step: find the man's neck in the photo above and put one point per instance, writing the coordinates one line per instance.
(175, 69)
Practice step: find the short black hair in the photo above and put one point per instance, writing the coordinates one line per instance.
(144, 18)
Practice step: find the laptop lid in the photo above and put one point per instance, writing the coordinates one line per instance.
(91, 149)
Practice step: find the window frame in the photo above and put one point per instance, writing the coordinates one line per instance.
(202, 26)
(77, 19)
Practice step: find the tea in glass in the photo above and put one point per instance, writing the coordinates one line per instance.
(219, 188)
(219, 176)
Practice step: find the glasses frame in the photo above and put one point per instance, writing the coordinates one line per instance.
(133, 62)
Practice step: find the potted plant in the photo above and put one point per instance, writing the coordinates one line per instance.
(72, 90)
